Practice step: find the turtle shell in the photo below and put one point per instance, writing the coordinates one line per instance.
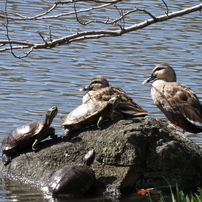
(22, 137)
(85, 114)
(70, 180)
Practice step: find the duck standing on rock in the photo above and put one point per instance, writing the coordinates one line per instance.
(177, 101)
(99, 90)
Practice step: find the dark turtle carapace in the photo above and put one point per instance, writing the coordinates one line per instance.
(28, 136)
(93, 112)
(72, 180)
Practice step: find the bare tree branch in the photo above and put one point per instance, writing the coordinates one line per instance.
(43, 16)
(90, 34)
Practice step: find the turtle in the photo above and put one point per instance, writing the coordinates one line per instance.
(88, 114)
(72, 180)
(28, 136)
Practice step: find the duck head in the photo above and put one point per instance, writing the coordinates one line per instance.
(162, 71)
(96, 83)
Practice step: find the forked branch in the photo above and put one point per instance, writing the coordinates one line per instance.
(12, 45)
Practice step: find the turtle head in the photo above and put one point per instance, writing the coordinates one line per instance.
(96, 83)
(89, 157)
(50, 115)
(115, 101)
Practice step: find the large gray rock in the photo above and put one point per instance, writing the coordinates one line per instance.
(130, 154)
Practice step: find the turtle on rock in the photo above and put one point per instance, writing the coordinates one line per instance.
(28, 136)
(88, 114)
(72, 180)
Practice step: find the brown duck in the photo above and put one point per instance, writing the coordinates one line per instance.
(177, 101)
(99, 89)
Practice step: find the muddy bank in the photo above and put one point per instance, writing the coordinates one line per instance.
(130, 154)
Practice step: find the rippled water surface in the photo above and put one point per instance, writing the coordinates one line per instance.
(46, 78)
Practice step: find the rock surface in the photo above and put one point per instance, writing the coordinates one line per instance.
(130, 154)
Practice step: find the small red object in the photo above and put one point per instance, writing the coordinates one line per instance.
(176, 124)
(142, 191)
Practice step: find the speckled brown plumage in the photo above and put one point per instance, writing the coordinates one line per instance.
(177, 101)
(99, 89)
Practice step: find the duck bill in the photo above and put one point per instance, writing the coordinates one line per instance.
(85, 88)
(148, 80)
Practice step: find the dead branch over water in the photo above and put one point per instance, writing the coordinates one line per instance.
(119, 23)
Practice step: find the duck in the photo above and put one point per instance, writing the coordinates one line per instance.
(177, 101)
(100, 90)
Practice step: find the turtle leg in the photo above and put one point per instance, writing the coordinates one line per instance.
(100, 122)
(51, 133)
(6, 159)
(35, 144)
(116, 115)
(67, 134)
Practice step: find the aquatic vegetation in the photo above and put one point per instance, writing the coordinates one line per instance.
(180, 196)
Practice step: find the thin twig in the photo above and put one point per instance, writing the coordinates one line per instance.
(167, 9)
(121, 17)
(76, 15)
(90, 21)
(50, 34)
(44, 15)
(96, 1)
(9, 40)
(40, 34)
(22, 17)
(7, 30)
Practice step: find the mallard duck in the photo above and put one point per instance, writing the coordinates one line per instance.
(99, 90)
(177, 101)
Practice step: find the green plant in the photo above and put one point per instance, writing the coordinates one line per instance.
(180, 196)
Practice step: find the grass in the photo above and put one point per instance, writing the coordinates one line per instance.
(180, 196)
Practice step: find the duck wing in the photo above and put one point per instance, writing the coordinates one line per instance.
(189, 105)
(178, 102)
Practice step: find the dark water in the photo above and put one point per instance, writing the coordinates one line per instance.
(46, 78)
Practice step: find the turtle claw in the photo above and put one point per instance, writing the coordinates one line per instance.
(54, 137)
(100, 123)
(34, 145)
(34, 150)
(6, 159)
(64, 137)
(66, 134)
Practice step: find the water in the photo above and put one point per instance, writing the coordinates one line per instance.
(45, 78)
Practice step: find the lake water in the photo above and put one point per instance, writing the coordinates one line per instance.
(45, 78)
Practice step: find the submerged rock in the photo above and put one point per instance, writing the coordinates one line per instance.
(130, 154)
